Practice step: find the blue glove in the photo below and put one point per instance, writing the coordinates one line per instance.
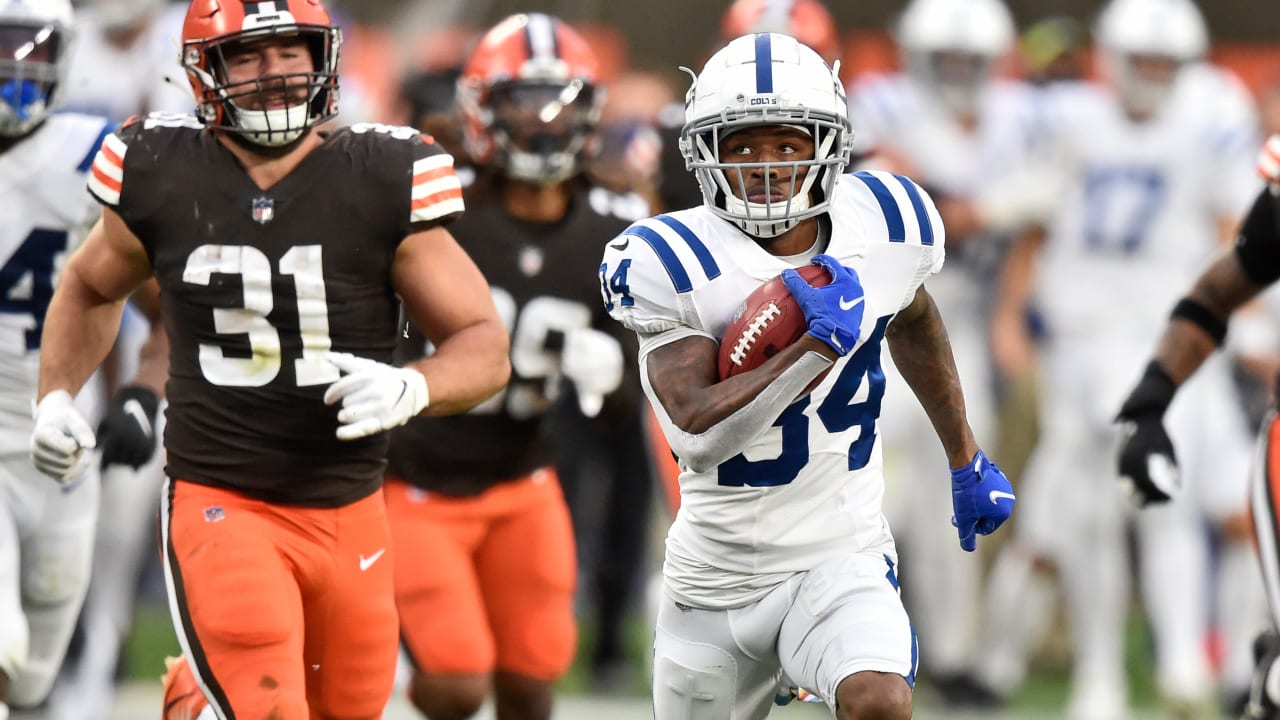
(981, 498)
(834, 312)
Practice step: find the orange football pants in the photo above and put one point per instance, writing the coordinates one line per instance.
(284, 612)
(485, 583)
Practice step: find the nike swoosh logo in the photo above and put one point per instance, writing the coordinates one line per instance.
(134, 409)
(367, 562)
(622, 245)
(847, 305)
(997, 494)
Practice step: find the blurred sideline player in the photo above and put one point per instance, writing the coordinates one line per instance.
(280, 276)
(492, 610)
(947, 123)
(780, 567)
(1148, 459)
(46, 530)
(124, 64)
(1145, 176)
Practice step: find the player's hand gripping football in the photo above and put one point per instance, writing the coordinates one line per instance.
(127, 433)
(981, 500)
(60, 438)
(833, 311)
(593, 361)
(374, 396)
(1148, 466)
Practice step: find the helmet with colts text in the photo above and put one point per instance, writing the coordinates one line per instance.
(530, 99)
(35, 55)
(759, 80)
(218, 31)
(808, 21)
(952, 47)
(1143, 44)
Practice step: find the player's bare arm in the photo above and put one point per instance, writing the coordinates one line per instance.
(1012, 347)
(449, 299)
(920, 348)
(84, 314)
(684, 379)
(1221, 289)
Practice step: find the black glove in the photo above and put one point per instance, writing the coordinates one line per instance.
(1147, 464)
(127, 434)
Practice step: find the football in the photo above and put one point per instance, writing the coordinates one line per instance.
(765, 323)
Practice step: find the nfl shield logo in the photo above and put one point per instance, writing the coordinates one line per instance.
(214, 513)
(530, 260)
(264, 208)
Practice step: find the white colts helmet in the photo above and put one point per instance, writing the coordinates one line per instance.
(766, 79)
(952, 46)
(35, 54)
(1170, 29)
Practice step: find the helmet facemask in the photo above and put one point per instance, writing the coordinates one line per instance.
(540, 130)
(806, 186)
(33, 60)
(1144, 83)
(252, 108)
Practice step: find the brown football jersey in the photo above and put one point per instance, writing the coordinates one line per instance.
(545, 284)
(257, 285)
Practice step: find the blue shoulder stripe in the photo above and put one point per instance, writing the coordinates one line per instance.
(708, 263)
(888, 206)
(670, 262)
(87, 162)
(917, 204)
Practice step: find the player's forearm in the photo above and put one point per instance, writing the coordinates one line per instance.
(922, 353)
(79, 329)
(153, 360)
(1221, 290)
(467, 368)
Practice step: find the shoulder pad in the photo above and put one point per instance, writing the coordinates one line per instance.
(901, 209)
(649, 270)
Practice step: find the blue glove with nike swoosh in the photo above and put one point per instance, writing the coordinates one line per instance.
(981, 498)
(834, 311)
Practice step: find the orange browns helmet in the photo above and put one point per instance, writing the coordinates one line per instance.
(530, 99)
(808, 21)
(212, 26)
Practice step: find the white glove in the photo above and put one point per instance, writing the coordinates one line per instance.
(60, 437)
(375, 396)
(593, 361)
(1269, 161)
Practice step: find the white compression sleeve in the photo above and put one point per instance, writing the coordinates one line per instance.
(706, 450)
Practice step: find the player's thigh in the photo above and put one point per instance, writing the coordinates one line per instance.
(702, 672)
(847, 618)
(527, 571)
(352, 629)
(235, 601)
(442, 615)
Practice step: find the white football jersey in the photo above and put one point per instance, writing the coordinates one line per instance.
(811, 485)
(45, 215)
(1139, 203)
(897, 114)
(145, 77)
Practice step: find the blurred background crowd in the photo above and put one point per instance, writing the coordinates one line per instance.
(952, 103)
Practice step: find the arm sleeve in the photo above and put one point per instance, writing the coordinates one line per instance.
(704, 451)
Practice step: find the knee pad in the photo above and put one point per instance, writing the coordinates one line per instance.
(53, 580)
(684, 693)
